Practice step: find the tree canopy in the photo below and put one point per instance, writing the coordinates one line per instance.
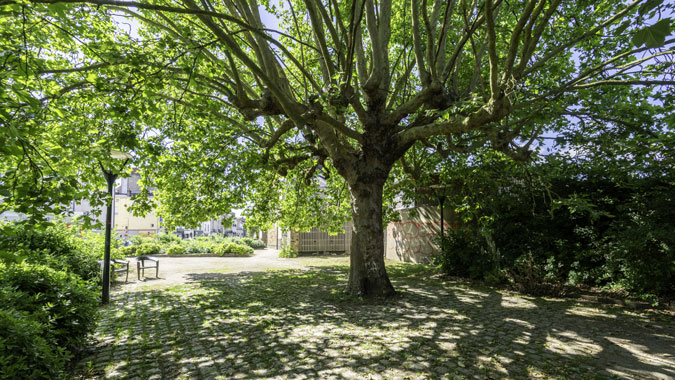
(349, 102)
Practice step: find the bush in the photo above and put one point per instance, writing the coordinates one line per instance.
(200, 245)
(93, 243)
(231, 248)
(176, 249)
(49, 303)
(220, 249)
(561, 223)
(253, 243)
(234, 239)
(66, 304)
(640, 246)
(287, 252)
(468, 252)
(529, 276)
(25, 350)
(129, 250)
(167, 239)
(56, 246)
(148, 249)
(139, 239)
(239, 249)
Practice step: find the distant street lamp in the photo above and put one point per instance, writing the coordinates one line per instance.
(110, 177)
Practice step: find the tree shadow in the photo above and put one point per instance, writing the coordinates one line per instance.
(299, 324)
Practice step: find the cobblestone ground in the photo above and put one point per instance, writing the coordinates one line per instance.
(296, 324)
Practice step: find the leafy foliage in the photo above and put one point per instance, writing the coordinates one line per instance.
(232, 248)
(574, 223)
(62, 301)
(287, 252)
(200, 246)
(57, 246)
(48, 297)
(148, 249)
(344, 100)
(467, 253)
(175, 249)
(253, 243)
(25, 350)
(173, 245)
(167, 238)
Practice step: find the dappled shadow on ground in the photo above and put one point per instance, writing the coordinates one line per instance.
(298, 324)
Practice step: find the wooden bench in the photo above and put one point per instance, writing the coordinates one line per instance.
(118, 266)
(141, 265)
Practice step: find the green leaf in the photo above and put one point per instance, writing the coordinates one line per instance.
(648, 6)
(622, 28)
(59, 8)
(653, 36)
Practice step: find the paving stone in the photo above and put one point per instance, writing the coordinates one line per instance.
(273, 326)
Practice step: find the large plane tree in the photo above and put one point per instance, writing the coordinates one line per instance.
(342, 89)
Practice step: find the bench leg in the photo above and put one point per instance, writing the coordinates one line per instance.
(157, 270)
(138, 270)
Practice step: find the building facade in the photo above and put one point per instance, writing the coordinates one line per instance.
(126, 224)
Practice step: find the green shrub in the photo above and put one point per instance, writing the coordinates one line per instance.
(176, 249)
(232, 249)
(191, 246)
(529, 276)
(139, 239)
(63, 302)
(560, 222)
(253, 243)
(234, 239)
(26, 352)
(200, 245)
(287, 252)
(239, 249)
(93, 243)
(640, 245)
(129, 250)
(148, 249)
(220, 249)
(167, 239)
(468, 252)
(56, 246)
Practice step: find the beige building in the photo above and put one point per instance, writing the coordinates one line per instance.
(126, 224)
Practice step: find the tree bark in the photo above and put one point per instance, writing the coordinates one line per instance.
(367, 275)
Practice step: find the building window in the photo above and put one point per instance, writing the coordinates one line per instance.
(152, 225)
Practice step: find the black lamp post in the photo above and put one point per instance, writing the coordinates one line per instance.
(441, 201)
(110, 178)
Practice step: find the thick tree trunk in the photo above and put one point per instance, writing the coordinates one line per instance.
(367, 275)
